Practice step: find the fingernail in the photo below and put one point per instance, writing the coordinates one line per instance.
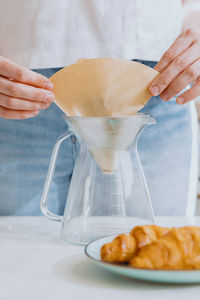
(48, 85)
(50, 96)
(165, 97)
(38, 106)
(180, 100)
(154, 89)
(45, 106)
(35, 113)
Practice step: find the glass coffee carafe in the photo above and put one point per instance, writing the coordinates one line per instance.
(108, 193)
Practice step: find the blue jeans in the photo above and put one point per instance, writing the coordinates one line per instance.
(165, 150)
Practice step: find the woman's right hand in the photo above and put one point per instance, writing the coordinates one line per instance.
(22, 92)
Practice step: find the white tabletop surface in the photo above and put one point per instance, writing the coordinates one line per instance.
(35, 264)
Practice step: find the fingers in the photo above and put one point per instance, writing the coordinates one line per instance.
(179, 64)
(178, 67)
(184, 41)
(7, 113)
(20, 90)
(190, 94)
(21, 104)
(189, 75)
(21, 74)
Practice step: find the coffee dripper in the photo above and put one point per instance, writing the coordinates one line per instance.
(108, 193)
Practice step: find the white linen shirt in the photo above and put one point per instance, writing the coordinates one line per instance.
(49, 33)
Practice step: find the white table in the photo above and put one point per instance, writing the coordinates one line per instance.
(35, 264)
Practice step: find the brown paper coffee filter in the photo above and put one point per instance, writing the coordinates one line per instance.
(102, 87)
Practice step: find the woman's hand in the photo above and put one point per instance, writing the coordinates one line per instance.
(22, 92)
(178, 67)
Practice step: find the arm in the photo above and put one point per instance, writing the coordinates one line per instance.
(180, 64)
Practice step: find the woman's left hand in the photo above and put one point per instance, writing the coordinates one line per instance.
(178, 67)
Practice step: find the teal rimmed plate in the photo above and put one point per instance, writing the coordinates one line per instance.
(92, 250)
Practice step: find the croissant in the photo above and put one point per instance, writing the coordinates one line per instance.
(147, 234)
(120, 250)
(178, 249)
(124, 246)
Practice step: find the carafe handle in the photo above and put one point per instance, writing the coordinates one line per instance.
(50, 173)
